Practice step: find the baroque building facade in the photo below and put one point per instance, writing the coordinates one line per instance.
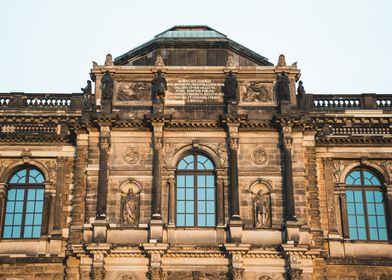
(192, 157)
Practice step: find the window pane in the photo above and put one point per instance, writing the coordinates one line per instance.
(210, 181)
(201, 181)
(40, 194)
(372, 221)
(189, 220)
(354, 178)
(20, 194)
(353, 234)
(210, 194)
(189, 194)
(37, 219)
(201, 194)
(7, 232)
(11, 194)
(352, 221)
(180, 220)
(373, 234)
(350, 208)
(19, 207)
(382, 234)
(37, 231)
(189, 182)
(39, 206)
(380, 209)
(210, 207)
(30, 207)
(378, 197)
(10, 207)
(201, 207)
(180, 181)
(31, 195)
(361, 233)
(16, 232)
(210, 220)
(180, 194)
(180, 206)
(182, 164)
(369, 196)
(358, 196)
(17, 219)
(361, 221)
(201, 220)
(9, 219)
(371, 209)
(349, 196)
(28, 231)
(381, 221)
(359, 208)
(29, 219)
(190, 207)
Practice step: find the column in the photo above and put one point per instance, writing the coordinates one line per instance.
(61, 165)
(220, 201)
(104, 147)
(389, 207)
(329, 189)
(172, 196)
(340, 197)
(288, 173)
(157, 170)
(3, 191)
(233, 171)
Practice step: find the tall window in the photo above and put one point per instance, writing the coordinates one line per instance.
(195, 194)
(365, 206)
(24, 206)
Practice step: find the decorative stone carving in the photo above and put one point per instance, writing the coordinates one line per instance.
(256, 92)
(159, 61)
(288, 143)
(339, 166)
(282, 61)
(104, 143)
(327, 162)
(234, 143)
(130, 198)
(8, 129)
(98, 273)
(87, 92)
(222, 154)
(282, 87)
(387, 166)
(4, 163)
(51, 166)
(127, 276)
(261, 204)
(133, 91)
(158, 87)
(237, 273)
(259, 156)
(170, 150)
(230, 61)
(157, 273)
(230, 87)
(295, 274)
(264, 277)
(131, 155)
(109, 60)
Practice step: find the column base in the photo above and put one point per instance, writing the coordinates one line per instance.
(156, 229)
(235, 230)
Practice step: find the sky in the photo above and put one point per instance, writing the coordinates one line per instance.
(341, 46)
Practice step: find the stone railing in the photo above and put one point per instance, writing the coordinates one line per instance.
(346, 101)
(51, 101)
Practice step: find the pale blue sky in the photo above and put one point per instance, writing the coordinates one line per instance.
(342, 46)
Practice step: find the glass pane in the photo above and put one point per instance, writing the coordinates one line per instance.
(190, 207)
(10, 207)
(201, 220)
(361, 233)
(349, 180)
(371, 209)
(354, 178)
(189, 194)
(40, 179)
(378, 196)
(382, 234)
(373, 234)
(17, 219)
(359, 208)
(40, 195)
(11, 194)
(30, 207)
(358, 196)
(201, 207)
(29, 219)
(210, 207)
(180, 207)
(349, 196)
(180, 220)
(381, 221)
(372, 221)
(210, 194)
(189, 220)
(375, 181)
(8, 219)
(20, 194)
(37, 231)
(380, 209)
(369, 196)
(201, 181)
(361, 221)
(31, 195)
(352, 221)
(7, 232)
(210, 181)
(350, 208)
(353, 234)
(190, 162)
(180, 194)
(208, 164)
(201, 194)
(37, 219)
(370, 179)
(28, 231)
(16, 232)
(19, 207)
(210, 220)
(182, 164)
(39, 206)
(189, 182)
(181, 181)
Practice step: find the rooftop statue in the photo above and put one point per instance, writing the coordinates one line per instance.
(230, 87)
(159, 87)
(282, 87)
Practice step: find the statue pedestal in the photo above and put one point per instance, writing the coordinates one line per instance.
(292, 232)
(100, 230)
(158, 108)
(235, 231)
(232, 108)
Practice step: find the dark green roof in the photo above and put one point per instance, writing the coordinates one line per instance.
(191, 31)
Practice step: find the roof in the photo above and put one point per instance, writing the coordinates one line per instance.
(195, 36)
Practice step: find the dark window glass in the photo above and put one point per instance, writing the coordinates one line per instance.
(195, 194)
(24, 205)
(365, 206)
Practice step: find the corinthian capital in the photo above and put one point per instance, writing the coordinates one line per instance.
(288, 143)
(234, 143)
(104, 143)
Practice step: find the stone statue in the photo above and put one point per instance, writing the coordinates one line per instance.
(230, 87)
(107, 87)
(301, 95)
(130, 207)
(159, 87)
(282, 87)
(262, 208)
(282, 61)
(108, 60)
(87, 91)
(159, 61)
(230, 61)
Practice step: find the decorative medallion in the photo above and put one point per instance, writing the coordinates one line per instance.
(259, 156)
(131, 155)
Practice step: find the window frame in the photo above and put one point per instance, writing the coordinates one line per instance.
(25, 186)
(363, 187)
(195, 172)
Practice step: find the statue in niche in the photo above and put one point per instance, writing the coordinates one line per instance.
(283, 87)
(109, 60)
(159, 87)
(263, 208)
(107, 88)
(130, 207)
(230, 87)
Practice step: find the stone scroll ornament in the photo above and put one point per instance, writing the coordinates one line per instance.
(131, 155)
(256, 92)
(259, 156)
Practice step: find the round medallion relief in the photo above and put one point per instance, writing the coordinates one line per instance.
(131, 155)
(259, 156)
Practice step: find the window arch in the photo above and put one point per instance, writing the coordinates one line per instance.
(365, 206)
(25, 204)
(195, 193)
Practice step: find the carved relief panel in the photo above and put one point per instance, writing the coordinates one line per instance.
(256, 92)
(130, 203)
(132, 92)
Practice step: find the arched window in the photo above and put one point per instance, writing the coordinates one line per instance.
(25, 203)
(195, 195)
(365, 206)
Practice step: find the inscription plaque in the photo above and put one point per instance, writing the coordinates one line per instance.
(194, 91)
